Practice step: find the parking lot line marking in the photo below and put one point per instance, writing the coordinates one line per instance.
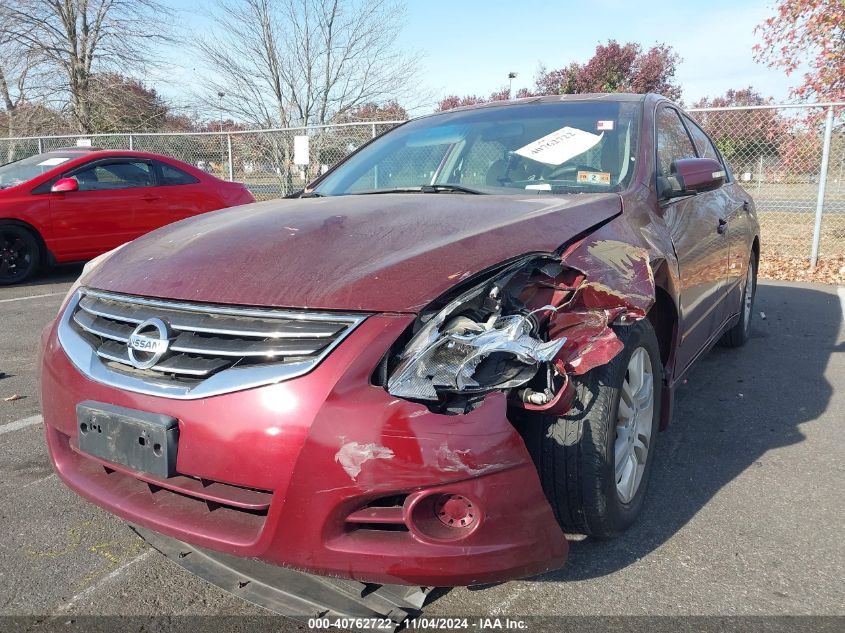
(102, 581)
(20, 424)
(37, 481)
(47, 294)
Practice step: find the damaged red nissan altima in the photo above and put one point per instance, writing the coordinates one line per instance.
(448, 351)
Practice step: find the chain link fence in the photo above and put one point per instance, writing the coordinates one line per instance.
(776, 152)
(262, 159)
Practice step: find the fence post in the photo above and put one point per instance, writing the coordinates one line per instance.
(231, 164)
(817, 230)
(40, 147)
(131, 143)
(374, 131)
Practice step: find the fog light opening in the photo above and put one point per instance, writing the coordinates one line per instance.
(443, 516)
(454, 511)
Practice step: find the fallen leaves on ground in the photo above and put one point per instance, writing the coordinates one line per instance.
(13, 397)
(829, 270)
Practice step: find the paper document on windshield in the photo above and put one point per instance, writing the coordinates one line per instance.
(558, 147)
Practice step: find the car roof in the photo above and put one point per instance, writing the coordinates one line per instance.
(627, 97)
(86, 152)
(95, 150)
(73, 149)
(80, 155)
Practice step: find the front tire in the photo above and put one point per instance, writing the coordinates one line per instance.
(596, 484)
(20, 254)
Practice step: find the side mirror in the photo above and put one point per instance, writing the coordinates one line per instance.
(692, 175)
(64, 185)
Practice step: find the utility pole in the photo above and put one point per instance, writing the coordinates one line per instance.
(511, 77)
(220, 96)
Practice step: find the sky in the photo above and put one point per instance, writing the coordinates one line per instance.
(470, 46)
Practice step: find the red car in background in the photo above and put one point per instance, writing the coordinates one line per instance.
(72, 204)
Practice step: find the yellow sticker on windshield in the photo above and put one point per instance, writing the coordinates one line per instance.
(593, 177)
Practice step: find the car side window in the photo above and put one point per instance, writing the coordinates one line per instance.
(673, 142)
(703, 144)
(116, 175)
(173, 176)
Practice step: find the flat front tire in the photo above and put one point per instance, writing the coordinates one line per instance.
(595, 461)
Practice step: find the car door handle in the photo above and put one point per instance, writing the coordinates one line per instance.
(150, 198)
(723, 225)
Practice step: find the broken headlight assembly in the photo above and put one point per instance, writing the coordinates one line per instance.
(482, 340)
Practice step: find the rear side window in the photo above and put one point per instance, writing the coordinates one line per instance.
(173, 176)
(673, 142)
(117, 175)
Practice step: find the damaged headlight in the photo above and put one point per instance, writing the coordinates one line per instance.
(480, 341)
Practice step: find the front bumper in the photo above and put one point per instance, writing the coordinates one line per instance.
(303, 473)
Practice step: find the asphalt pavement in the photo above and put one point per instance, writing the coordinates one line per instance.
(744, 513)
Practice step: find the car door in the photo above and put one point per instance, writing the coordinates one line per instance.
(697, 227)
(734, 202)
(180, 195)
(101, 214)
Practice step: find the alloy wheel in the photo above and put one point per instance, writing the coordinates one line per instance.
(15, 256)
(634, 425)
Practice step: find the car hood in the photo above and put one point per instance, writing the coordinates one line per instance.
(383, 252)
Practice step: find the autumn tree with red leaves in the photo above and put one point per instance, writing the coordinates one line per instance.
(619, 68)
(811, 33)
(454, 101)
(612, 68)
(389, 111)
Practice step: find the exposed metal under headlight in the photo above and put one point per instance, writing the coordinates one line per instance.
(482, 340)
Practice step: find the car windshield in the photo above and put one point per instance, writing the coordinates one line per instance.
(563, 147)
(23, 170)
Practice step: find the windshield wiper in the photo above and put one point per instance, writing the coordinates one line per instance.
(424, 189)
(449, 189)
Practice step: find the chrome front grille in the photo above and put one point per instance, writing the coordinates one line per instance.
(211, 349)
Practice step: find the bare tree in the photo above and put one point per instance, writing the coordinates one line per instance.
(300, 62)
(83, 37)
(14, 75)
(23, 82)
